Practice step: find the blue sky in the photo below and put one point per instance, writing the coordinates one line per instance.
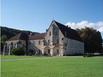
(36, 15)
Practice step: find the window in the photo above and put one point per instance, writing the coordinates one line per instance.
(48, 51)
(57, 41)
(19, 42)
(56, 32)
(57, 51)
(62, 38)
(49, 33)
(39, 42)
(48, 42)
(65, 44)
(34, 42)
(12, 45)
(44, 42)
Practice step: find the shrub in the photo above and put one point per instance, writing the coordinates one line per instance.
(18, 51)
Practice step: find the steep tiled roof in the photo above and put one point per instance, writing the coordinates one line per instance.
(68, 32)
(20, 36)
(38, 36)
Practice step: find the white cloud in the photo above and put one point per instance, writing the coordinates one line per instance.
(100, 29)
(83, 24)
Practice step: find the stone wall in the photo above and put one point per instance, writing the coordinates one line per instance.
(73, 47)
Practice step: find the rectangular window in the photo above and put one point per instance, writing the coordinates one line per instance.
(57, 41)
(39, 42)
(34, 42)
(49, 33)
(57, 51)
(65, 44)
(44, 42)
(48, 42)
(62, 38)
(48, 51)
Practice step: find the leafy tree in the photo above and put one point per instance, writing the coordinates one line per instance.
(92, 39)
(3, 38)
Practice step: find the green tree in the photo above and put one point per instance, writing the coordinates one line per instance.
(3, 38)
(92, 39)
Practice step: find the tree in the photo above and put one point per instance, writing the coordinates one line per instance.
(92, 39)
(25, 36)
(3, 38)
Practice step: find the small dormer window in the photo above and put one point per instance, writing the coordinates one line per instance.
(62, 38)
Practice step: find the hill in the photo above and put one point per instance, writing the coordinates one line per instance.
(10, 32)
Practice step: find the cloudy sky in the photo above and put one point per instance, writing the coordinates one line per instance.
(36, 15)
(97, 25)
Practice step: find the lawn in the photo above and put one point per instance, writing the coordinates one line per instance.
(69, 66)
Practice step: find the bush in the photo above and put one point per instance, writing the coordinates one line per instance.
(18, 51)
(31, 52)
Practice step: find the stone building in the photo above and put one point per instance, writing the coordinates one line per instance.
(20, 40)
(58, 40)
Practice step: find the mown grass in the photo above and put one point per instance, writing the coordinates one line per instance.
(30, 66)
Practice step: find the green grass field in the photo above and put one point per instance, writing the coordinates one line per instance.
(70, 66)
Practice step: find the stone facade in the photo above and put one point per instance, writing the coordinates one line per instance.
(58, 40)
(9, 45)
